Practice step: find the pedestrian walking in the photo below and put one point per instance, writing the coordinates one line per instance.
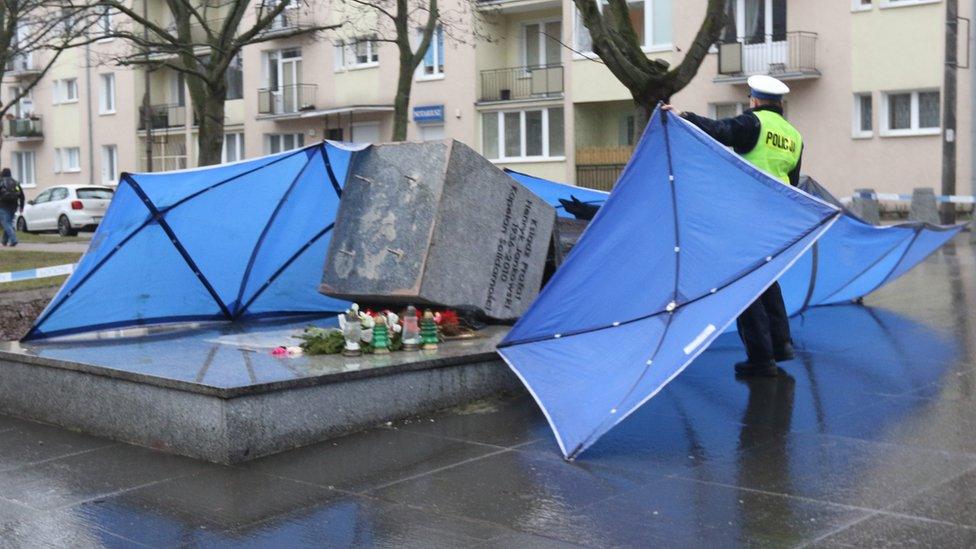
(11, 202)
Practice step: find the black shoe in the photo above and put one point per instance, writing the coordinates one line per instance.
(760, 369)
(784, 353)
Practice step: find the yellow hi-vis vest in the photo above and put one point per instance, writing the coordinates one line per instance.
(778, 149)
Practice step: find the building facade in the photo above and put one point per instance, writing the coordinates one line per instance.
(515, 80)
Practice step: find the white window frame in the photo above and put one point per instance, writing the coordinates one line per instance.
(62, 157)
(16, 159)
(545, 157)
(914, 130)
(740, 107)
(233, 140)
(345, 54)
(421, 75)
(298, 141)
(110, 158)
(647, 47)
(856, 131)
(61, 88)
(106, 95)
(104, 25)
(523, 46)
(857, 5)
(885, 4)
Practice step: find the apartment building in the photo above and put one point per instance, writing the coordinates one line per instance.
(516, 81)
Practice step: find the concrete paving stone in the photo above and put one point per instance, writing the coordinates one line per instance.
(679, 442)
(522, 491)
(362, 522)
(11, 511)
(62, 529)
(201, 505)
(507, 421)
(518, 540)
(687, 513)
(952, 386)
(948, 425)
(91, 475)
(894, 531)
(27, 442)
(836, 469)
(952, 501)
(370, 459)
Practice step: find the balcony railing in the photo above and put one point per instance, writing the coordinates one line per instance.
(520, 83)
(787, 55)
(289, 99)
(601, 177)
(289, 19)
(23, 128)
(163, 116)
(21, 64)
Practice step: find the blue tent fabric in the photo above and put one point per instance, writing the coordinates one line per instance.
(228, 242)
(689, 237)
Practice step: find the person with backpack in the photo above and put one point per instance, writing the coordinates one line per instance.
(11, 202)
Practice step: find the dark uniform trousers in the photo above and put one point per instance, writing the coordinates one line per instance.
(764, 326)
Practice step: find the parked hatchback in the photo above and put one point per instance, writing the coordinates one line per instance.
(66, 209)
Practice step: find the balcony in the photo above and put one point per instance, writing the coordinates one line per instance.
(522, 83)
(20, 66)
(600, 167)
(291, 18)
(789, 56)
(515, 6)
(163, 117)
(286, 100)
(23, 129)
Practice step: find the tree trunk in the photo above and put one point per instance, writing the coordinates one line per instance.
(642, 114)
(401, 103)
(210, 129)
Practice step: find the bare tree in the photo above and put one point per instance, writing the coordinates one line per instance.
(411, 26)
(33, 35)
(202, 41)
(648, 80)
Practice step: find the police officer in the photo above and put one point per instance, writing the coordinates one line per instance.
(765, 139)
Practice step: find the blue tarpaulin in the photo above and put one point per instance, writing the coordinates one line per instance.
(690, 236)
(228, 242)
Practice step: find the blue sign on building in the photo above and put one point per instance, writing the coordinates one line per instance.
(428, 113)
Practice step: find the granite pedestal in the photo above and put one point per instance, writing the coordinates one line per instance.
(217, 394)
(437, 223)
(864, 204)
(924, 208)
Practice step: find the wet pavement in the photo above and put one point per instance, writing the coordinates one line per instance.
(867, 439)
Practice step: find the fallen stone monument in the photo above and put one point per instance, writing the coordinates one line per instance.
(437, 223)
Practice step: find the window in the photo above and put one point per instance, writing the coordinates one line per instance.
(540, 43)
(433, 64)
(910, 113)
(67, 160)
(755, 21)
(23, 168)
(357, 53)
(65, 90)
(520, 135)
(110, 164)
(651, 20)
(727, 110)
(863, 115)
(106, 102)
(233, 147)
(235, 78)
(103, 26)
(900, 3)
(861, 5)
(280, 142)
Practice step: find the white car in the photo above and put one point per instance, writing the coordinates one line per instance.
(66, 209)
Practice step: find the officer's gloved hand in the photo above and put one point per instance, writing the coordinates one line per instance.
(580, 210)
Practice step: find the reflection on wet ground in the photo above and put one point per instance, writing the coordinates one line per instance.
(867, 438)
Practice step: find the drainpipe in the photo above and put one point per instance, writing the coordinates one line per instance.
(972, 113)
(88, 104)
